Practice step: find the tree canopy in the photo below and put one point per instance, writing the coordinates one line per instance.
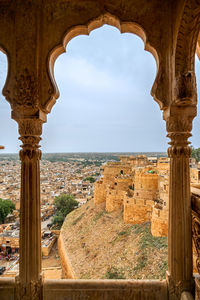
(90, 179)
(6, 207)
(64, 205)
(196, 154)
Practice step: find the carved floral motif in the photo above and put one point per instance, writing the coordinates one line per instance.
(30, 131)
(26, 90)
(196, 237)
(30, 127)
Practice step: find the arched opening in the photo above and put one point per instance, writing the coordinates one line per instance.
(195, 165)
(105, 19)
(9, 181)
(92, 101)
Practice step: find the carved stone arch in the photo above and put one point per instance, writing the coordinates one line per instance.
(185, 82)
(4, 51)
(105, 19)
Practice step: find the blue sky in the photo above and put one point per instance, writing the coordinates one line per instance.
(105, 104)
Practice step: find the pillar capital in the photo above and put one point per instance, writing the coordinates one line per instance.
(30, 131)
(179, 125)
(179, 118)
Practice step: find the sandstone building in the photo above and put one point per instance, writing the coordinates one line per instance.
(139, 188)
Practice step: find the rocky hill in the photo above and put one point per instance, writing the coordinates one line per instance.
(99, 246)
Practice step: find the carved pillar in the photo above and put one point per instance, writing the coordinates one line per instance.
(179, 125)
(29, 281)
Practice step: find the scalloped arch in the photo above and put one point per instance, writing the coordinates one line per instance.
(4, 51)
(105, 19)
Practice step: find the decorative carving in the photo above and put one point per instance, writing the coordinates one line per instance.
(179, 151)
(179, 125)
(188, 32)
(175, 290)
(32, 291)
(20, 290)
(196, 233)
(178, 132)
(29, 127)
(35, 289)
(30, 154)
(25, 92)
(185, 88)
(30, 131)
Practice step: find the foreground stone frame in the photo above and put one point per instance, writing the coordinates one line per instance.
(33, 34)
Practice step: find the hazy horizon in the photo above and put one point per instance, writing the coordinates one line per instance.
(7, 153)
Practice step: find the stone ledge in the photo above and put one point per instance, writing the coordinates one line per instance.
(105, 289)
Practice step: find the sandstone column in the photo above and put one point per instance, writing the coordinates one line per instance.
(179, 124)
(29, 281)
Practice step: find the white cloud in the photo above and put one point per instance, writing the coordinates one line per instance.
(83, 74)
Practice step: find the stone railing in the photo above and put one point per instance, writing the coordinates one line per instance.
(93, 289)
(105, 289)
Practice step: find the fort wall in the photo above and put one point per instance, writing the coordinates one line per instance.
(137, 187)
(137, 211)
(68, 271)
(100, 190)
(114, 200)
(159, 222)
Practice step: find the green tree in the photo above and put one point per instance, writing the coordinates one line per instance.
(58, 220)
(196, 154)
(64, 205)
(6, 207)
(90, 179)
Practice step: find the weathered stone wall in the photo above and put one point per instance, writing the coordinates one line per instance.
(137, 211)
(117, 177)
(114, 200)
(68, 271)
(163, 164)
(145, 181)
(136, 161)
(163, 183)
(115, 169)
(100, 190)
(159, 222)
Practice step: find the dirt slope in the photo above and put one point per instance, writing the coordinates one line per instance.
(101, 246)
